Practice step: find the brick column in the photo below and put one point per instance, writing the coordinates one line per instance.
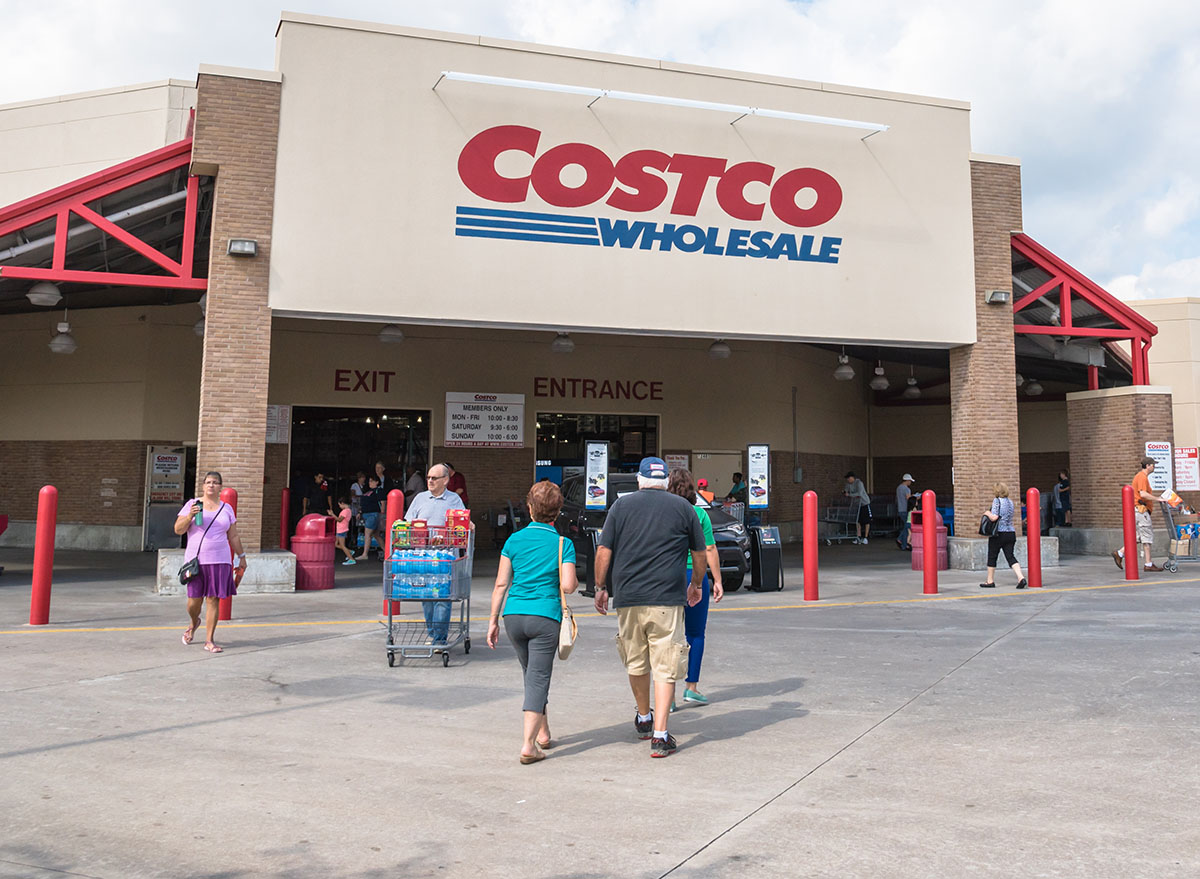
(236, 134)
(1107, 433)
(983, 390)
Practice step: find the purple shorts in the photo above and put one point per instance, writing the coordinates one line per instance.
(215, 581)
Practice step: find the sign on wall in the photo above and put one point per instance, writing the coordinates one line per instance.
(758, 477)
(1160, 479)
(596, 494)
(165, 483)
(489, 421)
(279, 424)
(678, 462)
(1187, 468)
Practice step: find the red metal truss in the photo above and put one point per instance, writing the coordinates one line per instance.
(72, 198)
(1070, 282)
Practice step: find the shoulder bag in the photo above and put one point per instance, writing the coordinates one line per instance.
(988, 527)
(569, 629)
(191, 570)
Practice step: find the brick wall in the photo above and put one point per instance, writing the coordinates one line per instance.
(494, 476)
(1040, 470)
(236, 133)
(275, 479)
(78, 469)
(1107, 437)
(983, 392)
(931, 472)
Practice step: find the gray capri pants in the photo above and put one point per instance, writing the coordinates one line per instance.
(536, 642)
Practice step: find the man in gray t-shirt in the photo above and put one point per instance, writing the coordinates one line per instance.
(903, 493)
(645, 538)
(856, 490)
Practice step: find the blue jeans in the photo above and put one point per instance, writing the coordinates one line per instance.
(903, 536)
(437, 619)
(694, 621)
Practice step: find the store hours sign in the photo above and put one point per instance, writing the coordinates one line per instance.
(489, 421)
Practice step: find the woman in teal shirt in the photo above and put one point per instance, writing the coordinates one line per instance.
(530, 574)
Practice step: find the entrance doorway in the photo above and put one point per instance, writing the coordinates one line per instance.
(339, 442)
(718, 468)
(562, 439)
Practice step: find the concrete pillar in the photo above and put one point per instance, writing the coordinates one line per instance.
(983, 390)
(236, 135)
(1107, 433)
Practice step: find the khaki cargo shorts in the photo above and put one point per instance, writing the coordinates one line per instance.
(651, 640)
(1145, 530)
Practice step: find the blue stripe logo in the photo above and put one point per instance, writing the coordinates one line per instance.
(526, 226)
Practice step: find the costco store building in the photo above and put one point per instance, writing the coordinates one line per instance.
(271, 273)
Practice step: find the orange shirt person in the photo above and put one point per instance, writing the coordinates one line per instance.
(1143, 501)
(702, 490)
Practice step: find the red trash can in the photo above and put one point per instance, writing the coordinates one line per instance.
(916, 537)
(314, 547)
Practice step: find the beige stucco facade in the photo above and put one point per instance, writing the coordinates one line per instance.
(1175, 359)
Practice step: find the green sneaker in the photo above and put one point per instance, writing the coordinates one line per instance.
(693, 696)
(672, 707)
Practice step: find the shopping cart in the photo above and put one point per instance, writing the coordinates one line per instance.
(1180, 535)
(843, 522)
(736, 509)
(433, 566)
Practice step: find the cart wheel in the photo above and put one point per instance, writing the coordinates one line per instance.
(1172, 567)
(445, 660)
(391, 659)
(828, 542)
(467, 646)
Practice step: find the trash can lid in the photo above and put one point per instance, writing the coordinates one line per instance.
(312, 525)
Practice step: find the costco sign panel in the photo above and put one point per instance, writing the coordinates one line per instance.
(495, 206)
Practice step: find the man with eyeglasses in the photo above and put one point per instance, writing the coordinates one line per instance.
(431, 506)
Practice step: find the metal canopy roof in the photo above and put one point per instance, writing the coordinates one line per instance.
(133, 234)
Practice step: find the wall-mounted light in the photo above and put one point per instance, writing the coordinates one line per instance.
(562, 344)
(880, 381)
(242, 247)
(391, 333)
(45, 294)
(995, 297)
(719, 350)
(844, 371)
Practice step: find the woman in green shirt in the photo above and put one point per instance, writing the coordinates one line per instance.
(695, 618)
(529, 576)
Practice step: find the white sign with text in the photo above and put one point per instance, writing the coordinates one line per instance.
(490, 421)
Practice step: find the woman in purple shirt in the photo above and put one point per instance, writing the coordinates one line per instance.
(210, 539)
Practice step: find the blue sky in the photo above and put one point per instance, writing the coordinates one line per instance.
(1097, 98)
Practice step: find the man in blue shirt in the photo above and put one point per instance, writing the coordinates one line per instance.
(431, 506)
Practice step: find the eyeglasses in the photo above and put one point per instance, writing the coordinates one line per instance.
(431, 476)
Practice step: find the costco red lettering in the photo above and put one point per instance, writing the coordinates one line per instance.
(633, 183)
(597, 389)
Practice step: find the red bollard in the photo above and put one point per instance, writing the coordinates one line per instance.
(43, 556)
(395, 510)
(811, 541)
(285, 508)
(929, 536)
(1132, 562)
(225, 605)
(1033, 536)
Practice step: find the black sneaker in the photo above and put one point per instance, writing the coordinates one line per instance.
(987, 585)
(645, 728)
(663, 747)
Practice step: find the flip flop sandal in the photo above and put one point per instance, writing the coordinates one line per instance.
(546, 745)
(526, 759)
(213, 648)
(189, 635)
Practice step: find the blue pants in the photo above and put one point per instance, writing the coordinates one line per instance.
(437, 619)
(694, 621)
(902, 537)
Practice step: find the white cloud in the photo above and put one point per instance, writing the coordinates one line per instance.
(1177, 206)
(1172, 280)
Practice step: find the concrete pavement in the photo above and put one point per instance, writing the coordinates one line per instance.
(878, 732)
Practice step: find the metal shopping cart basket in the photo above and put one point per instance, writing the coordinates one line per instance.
(433, 566)
(843, 522)
(1180, 536)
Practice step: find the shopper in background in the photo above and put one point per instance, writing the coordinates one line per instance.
(1062, 491)
(458, 485)
(371, 500)
(342, 531)
(1143, 503)
(702, 490)
(856, 489)
(644, 535)
(903, 493)
(317, 499)
(386, 483)
(527, 593)
(739, 492)
(1004, 539)
(415, 483)
(356, 493)
(431, 506)
(695, 616)
(211, 529)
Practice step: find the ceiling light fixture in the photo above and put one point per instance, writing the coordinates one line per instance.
(719, 350)
(1020, 379)
(391, 333)
(45, 294)
(1034, 388)
(63, 342)
(844, 371)
(880, 381)
(562, 344)
(911, 392)
(203, 303)
(198, 328)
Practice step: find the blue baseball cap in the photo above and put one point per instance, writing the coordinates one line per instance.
(653, 468)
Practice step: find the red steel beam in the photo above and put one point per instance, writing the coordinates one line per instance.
(108, 279)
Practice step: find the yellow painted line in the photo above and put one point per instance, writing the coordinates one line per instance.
(812, 605)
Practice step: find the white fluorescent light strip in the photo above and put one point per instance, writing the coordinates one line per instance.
(596, 94)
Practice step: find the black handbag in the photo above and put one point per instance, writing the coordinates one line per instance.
(191, 569)
(988, 526)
